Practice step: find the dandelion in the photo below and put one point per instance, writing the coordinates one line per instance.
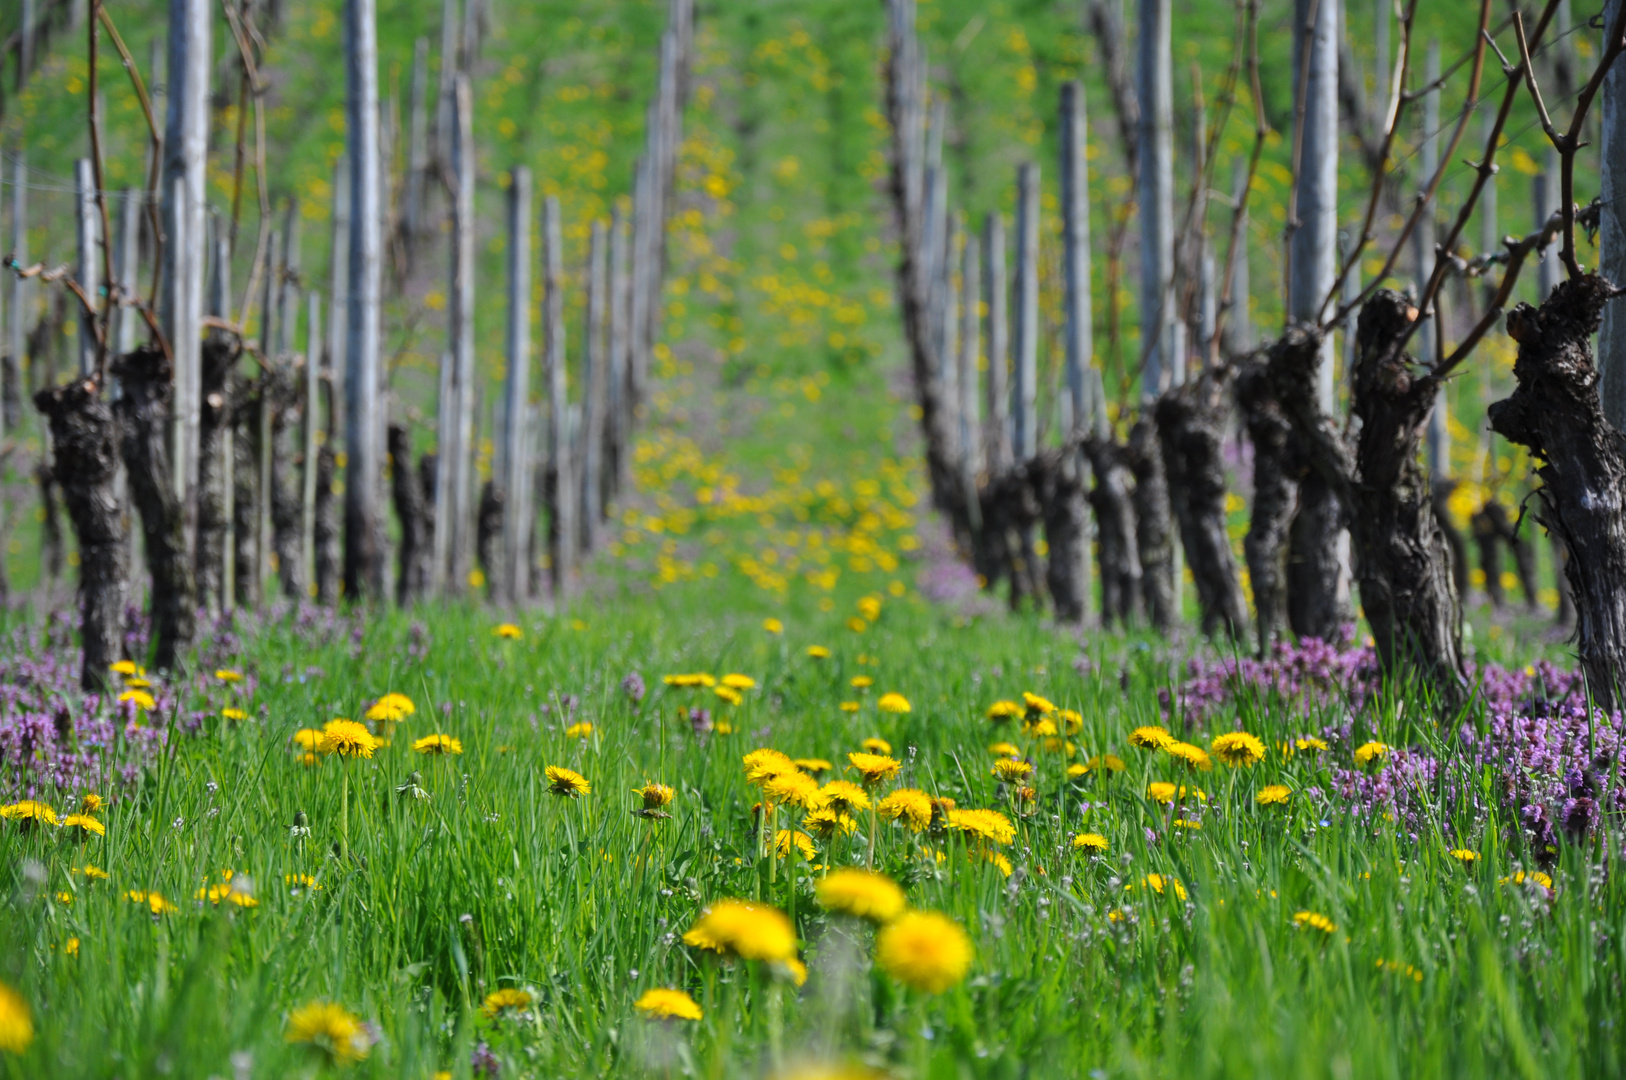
(1090, 841)
(507, 630)
(1073, 722)
(301, 881)
(508, 999)
(330, 1028)
(1238, 748)
(857, 625)
(744, 929)
(1012, 770)
(844, 796)
(91, 803)
(656, 798)
(1194, 757)
(792, 788)
(988, 825)
(1004, 749)
(124, 667)
(862, 682)
(91, 873)
(813, 765)
(85, 824)
(228, 892)
(1367, 753)
(1104, 763)
(1314, 919)
(1151, 737)
(1310, 745)
(849, 706)
(912, 807)
(140, 699)
(1033, 703)
(870, 607)
(579, 731)
(862, 893)
(1464, 856)
(827, 822)
(308, 739)
(663, 1004)
(818, 652)
(689, 681)
(440, 745)
(893, 703)
(1158, 882)
(1273, 795)
(29, 812)
(567, 782)
(772, 626)
(1038, 726)
(999, 861)
(924, 950)
(1001, 711)
(728, 694)
(876, 746)
(138, 684)
(227, 675)
(785, 838)
(875, 767)
(154, 901)
(347, 739)
(1534, 877)
(230, 713)
(766, 763)
(391, 708)
(739, 682)
(16, 1021)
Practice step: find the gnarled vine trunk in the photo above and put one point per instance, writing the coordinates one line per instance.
(1112, 498)
(219, 357)
(1154, 540)
(1554, 411)
(1066, 531)
(1276, 473)
(1191, 433)
(413, 512)
(287, 540)
(488, 537)
(143, 412)
(85, 459)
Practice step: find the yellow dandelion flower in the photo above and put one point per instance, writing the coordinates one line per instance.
(1038, 726)
(744, 929)
(1004, 749)
(924, 950)
(1001, 711)
(579, 730)
(876, 746)
(1273, 795)
(29, 811)
(826, 823)
(507, 630)
(301, 881)
(739, 682)
(1314, 919)
(307, 739)
(849, 706)
(1310, 745)
(1159, 882)
(893, 703)
(91, 803)
(137, 683)
(862, 682)
(508, 999)
(330, 1028)
(230, 713)
(874, 767)
(728, 694)
(1033, 703)
(1105, 763)
(229, 893)
(438, 744)
(567, 782)
(16, 1021)
(85, 824)
(227, 675)
(689, 681)
(664, 1004)
(140, 698)
(1535, 877)
(71, 946)
(772, 626)
(912, 807)
(803, 842)
(1367, 753)
(1089, 841)
(814, 765)
(1012, 770)
(347, 739)
(818, 652)
(766, 763)
(999, 861)
(124, 667)
(655, 797)
(391, 708)
(1151, 737)
(1238, 748)
(792, 788)
(154, 901)
(91, 873)
(1465, 856)
(1073, 721)
(988, 825)
(862, 893)
(1193, 756)
(844, 796)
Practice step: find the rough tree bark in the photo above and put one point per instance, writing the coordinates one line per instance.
(219, 357)
(411, 508)
(1316, 604)
(1555, 412)
(488, 535)
(1191, 433)
(1402, 560)
(84, 448)
(241, 444)
(1154, 540)
(1060, 483)
(1112, 499)
(143, 412)
(1276, 472)
(286, 532)
(1010, 512)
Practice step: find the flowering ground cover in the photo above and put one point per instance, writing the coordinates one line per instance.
(879, 839)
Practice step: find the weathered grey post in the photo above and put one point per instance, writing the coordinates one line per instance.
(1075, 233)
(128, 260)
(1611, 236)
(948, 316)
(186, 145)
(364, 524)
(1545, 196)
(1156, 93)
(21, 291)
(966, 364)
(1239, 321)
(338, 318)
(997, 438)
(595, 367)
(618, 423)
(264, 415)
(417, 146)
(461, 524)
(88, 270)
(1025, 299)
(640, 287)
(288, 301)
(516, 463)
(313, 410)
(562, 512)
